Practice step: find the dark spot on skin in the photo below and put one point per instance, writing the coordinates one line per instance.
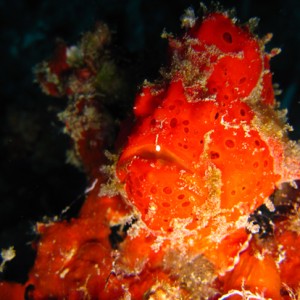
(214, 155)
(167, 190)
(229, 143)
(242, 113)
(173, 122)
(227, 37)
(242, 80)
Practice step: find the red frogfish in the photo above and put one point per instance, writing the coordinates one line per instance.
(176, 213)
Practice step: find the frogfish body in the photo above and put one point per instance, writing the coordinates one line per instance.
(174, 214)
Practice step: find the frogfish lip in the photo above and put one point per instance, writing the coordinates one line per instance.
(150, 152)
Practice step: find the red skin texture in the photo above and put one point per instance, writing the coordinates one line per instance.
(258, 273)
(195, 155)
(183, 145)
(289, 269)
(11, 291)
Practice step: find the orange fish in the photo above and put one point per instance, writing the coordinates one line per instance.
(177, 215)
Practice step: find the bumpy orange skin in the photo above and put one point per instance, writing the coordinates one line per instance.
(180, 128)
(290, 266)
(197, 163)
(257, 271)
